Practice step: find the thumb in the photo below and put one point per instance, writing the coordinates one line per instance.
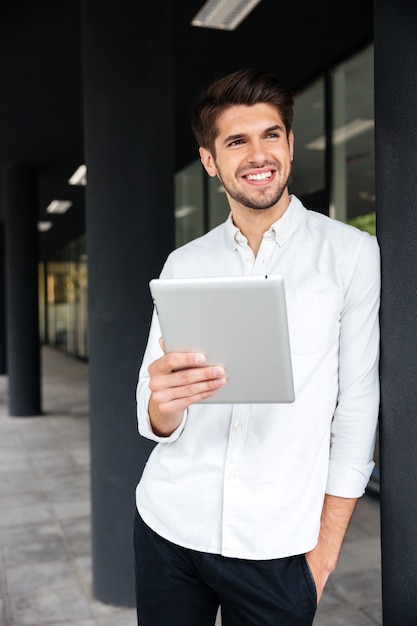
(161, 343)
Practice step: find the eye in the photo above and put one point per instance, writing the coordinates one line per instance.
(236, 142)
(272, 136)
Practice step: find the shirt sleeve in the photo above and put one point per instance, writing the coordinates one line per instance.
(355, 420)
(153, 351)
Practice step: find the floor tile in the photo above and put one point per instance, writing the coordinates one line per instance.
(14, 535)
(358, 587)
(348, 616)
(18, 481)
(69, 487)
(31, 577)
(19, 513)
(35, 552)
(67, 510)
(49, 607)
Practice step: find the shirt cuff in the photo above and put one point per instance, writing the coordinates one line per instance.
(145, 427)
(348, 481)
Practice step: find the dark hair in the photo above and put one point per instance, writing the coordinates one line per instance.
(245, 87)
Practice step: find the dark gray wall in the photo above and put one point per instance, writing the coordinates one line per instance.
(396, 188)
(130, 229)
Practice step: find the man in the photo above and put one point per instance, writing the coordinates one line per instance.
(246, 506)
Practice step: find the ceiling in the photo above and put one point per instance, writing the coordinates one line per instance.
(41, 112)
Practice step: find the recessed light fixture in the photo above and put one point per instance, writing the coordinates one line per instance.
(342, 134)
(58, 206)
(223, 14)
(44, 226)
(79, 177)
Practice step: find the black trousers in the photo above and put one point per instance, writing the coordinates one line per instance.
(176, 586)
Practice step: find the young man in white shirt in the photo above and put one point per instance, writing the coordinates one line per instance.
(246, 506)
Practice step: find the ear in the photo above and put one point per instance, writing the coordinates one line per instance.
(291, 144)
(208, 161)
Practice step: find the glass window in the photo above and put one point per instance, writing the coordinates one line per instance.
(308, 176)
(353, 154)
(189, 203)
(66, 309)
(218, 206)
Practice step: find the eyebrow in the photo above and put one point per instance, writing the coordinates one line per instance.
(240, 135)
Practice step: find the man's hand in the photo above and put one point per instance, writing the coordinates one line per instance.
(335, 518)
(177, 380)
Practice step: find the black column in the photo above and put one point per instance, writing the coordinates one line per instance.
(3, 360)
(396, 189)
(23, 352)
(3, 350)
(130, 229)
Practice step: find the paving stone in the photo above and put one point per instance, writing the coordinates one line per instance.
(29, 578)
(49, 606)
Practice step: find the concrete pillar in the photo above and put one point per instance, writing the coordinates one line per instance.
(130, 229)
(396, 200)
(23, 352)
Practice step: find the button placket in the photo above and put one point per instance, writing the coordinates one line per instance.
(237, 432)
(266, 251)
(245, 253)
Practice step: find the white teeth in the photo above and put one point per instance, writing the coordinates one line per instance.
(262, 176)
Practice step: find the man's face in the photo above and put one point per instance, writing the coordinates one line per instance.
(252, 155)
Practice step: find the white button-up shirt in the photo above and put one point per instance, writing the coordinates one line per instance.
(248, 480)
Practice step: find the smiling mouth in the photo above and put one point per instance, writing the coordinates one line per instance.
(259, 177)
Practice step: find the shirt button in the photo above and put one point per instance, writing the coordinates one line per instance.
(231, 477)
(237, 427)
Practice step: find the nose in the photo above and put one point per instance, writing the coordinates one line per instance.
(256, 152)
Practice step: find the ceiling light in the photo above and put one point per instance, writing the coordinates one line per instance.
(342, 134)
(44, 226)
(58, 206)
(223, 14)
(79, 177)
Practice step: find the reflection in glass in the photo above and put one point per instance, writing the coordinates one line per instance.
(66, 312)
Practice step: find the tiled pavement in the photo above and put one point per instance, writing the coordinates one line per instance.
(45, 557)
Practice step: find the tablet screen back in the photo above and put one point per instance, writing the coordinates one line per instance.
(238, 322)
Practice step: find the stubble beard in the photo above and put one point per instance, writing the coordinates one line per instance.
(264, 200)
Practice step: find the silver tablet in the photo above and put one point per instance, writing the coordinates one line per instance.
(238, 322)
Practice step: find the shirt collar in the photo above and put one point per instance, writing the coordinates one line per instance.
(289, 221)
(282, 229)
(232, 232)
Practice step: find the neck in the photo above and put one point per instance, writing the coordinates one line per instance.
(253, 223)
